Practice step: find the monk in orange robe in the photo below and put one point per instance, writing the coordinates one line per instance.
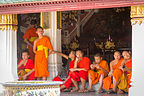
(80, 71)
(42, 48)
(126, 68)
(107, 82)
(119, 71)
(26, 67)
(29, 37)
(101, 72)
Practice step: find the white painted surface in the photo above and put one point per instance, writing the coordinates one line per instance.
(137, 63)
(8, 56)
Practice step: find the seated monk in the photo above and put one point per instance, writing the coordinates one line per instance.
(117, 74)
(107, 82)
(99, 70)
(70, 64)
(126, 67)
(26, 67)
(80, 71)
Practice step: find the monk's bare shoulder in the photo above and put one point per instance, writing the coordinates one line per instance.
(112, 62)
(36, 40)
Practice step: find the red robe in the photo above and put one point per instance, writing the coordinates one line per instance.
(29, 65)
(84, 63)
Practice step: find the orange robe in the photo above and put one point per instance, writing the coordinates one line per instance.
(84, 63)
(129, 73)
(107, 82)
(30, 35)
(96, 75)
(41, 57)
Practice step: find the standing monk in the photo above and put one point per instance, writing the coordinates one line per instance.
(42, 48)
(80, 71)
(107, 82)
(29, 37)
(99, 70)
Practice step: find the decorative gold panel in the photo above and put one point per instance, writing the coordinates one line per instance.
(46, 20)
(137, 14)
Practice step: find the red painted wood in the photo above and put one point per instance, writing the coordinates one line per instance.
(64, 5)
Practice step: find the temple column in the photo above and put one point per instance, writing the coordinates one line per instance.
(137, 15)
(50, 22)
(8, 48)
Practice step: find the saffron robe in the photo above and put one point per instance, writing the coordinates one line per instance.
(31, 35)
(41, 57)
(96, 75)
(107, 82)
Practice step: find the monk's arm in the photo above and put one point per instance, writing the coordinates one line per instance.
(103, 70)
(26, 41)
(61, 54)
(29, 73)
(34, 47)
(67, 79)
(111, 67)
(79, 69)
(20, 64)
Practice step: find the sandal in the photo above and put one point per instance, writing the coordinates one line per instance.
(111, 92)
(100, 91)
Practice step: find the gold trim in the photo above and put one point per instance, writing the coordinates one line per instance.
(8, 22)
(59, 20)
(137, 14)
(46, 18)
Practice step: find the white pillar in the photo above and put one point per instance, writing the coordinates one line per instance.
(137, 79)
(8, 56)
(8, 48)
(55, 61)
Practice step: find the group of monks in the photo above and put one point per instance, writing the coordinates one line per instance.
(34, 65)
(34, 62)
(115, 80)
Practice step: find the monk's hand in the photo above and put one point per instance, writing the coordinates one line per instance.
(52, 52)
(24, 77)
(72, 69)
(92, 66)
(97, 66)
(110, 73)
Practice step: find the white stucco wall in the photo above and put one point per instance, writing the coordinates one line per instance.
(137, 63)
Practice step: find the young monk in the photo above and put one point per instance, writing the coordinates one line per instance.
(70, 64)
(102, 70)
(26, 67)
(107, 82)
(80, 71)
(29, 37)
(42, 49)
(126, 67)
(119, 71)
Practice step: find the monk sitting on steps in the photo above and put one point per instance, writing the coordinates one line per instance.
(80, 71)
(26, 67)
(125, 67)
(107, 82)
(102, 69)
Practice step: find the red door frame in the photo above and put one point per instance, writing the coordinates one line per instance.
(64, 5)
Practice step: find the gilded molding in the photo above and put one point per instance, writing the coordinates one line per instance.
(8, 22)
(59, 20)
(46, 20)
(137, 14)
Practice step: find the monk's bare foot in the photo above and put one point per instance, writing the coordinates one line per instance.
(120, 92)
(82, 90)
(100, 91)
(74, 90)
(90, 90)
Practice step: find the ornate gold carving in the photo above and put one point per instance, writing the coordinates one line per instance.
(46, 20)
(8, 22)
(137, 14)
